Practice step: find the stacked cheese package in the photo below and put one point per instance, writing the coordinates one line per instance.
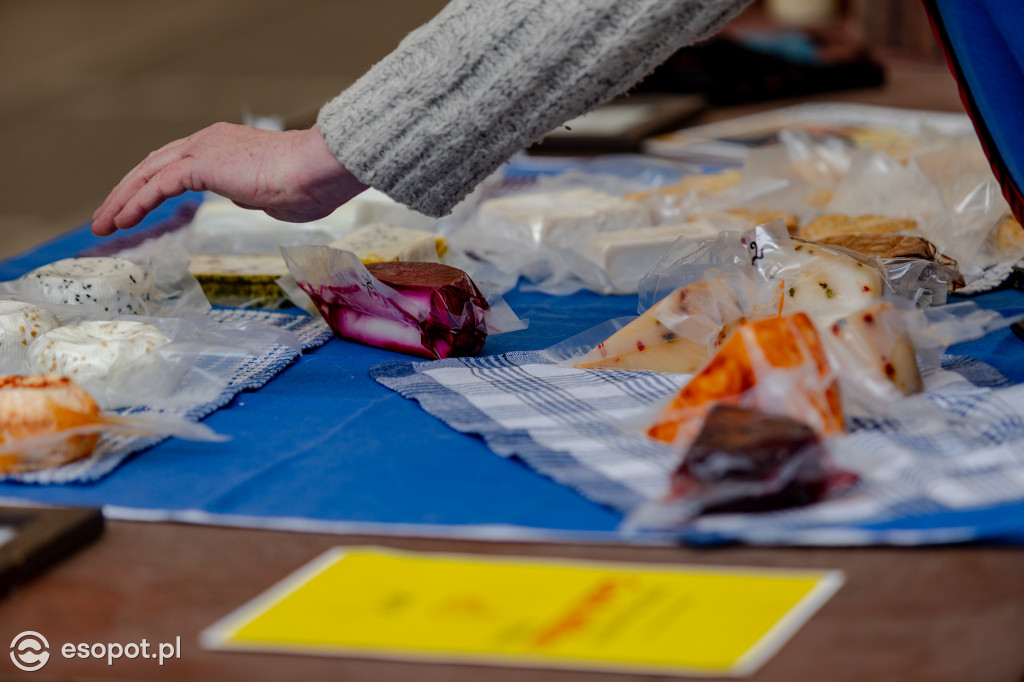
(83, 334)
(782, 333)
(236, 252)
(563, 239)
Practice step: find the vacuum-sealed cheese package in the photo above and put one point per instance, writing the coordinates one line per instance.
(48, 421)
(426, 309)
(776, 365)
(151, 279)
(744, 460)
(158, 362)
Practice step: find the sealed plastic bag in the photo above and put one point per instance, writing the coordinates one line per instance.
(527, 231)
(158, 362)
(152, 279)
(48, 421)
(700, 292)
(221, 227)
(426, 309)
(776, 365)
(744, 460)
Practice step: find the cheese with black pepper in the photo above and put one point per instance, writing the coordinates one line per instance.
(107, 284)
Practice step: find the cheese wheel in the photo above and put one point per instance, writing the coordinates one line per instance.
(35, 406)
(92, 350)
(20, 324)
(115, 285)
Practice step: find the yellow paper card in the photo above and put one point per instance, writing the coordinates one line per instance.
(380, 603)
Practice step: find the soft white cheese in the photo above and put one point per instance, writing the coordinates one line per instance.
(20, 324)
(559, 219)
(379, 243)
(627, 255)
(91, 351)
(113, 285)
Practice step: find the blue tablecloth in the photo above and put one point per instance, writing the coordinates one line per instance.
(323, 446)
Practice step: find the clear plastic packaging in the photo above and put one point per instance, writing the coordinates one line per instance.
(973, 202)
(221, 227)
(438, 312)
(151, 279)
(532, 229)
(699, 292)
(193, 367)
(776, 365)
(49, 421)
(744, 461)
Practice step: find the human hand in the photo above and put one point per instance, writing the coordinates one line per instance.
(290, 175)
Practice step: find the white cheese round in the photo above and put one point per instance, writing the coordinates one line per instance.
(114, 285)
(93, 350)
(20, 324)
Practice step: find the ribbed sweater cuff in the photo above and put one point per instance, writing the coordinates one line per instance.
(484, 79)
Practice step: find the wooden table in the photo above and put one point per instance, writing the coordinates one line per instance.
(933, 614)
(950, 613)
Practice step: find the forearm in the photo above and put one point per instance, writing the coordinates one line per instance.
(487, 77)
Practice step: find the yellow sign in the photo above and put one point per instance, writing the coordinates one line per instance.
(381, 603)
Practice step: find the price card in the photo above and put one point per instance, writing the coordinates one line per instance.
(548, 613)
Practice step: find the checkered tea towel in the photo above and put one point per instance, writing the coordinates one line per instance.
(924, 477)
(246, 373)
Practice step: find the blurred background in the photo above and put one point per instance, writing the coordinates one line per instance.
(89, 87)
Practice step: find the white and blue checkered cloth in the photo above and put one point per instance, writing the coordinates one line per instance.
(244, 372)
(924, 479)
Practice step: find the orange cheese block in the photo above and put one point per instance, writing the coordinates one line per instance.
(789, 345)
(40, 405)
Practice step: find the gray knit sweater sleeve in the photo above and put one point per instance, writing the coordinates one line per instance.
(486, 78)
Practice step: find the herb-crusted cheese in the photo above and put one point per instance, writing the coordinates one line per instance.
(559, 219)
(240, 280)
(20, 324)
(380, 243)
(828, 285)
(113, 285)
(92, 350)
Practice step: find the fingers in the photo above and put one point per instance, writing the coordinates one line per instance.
(131, 183)
(171, 181)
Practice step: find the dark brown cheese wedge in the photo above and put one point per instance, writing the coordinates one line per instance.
(744, 460)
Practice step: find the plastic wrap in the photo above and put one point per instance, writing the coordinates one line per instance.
(221, 227)
(743, 461)
(49, 421)
(776, 365)
(192, 367)
(531, 232)
(973, 202)
(439, 313)
(159, 284)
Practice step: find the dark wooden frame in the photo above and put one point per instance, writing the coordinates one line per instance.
(43, 536)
